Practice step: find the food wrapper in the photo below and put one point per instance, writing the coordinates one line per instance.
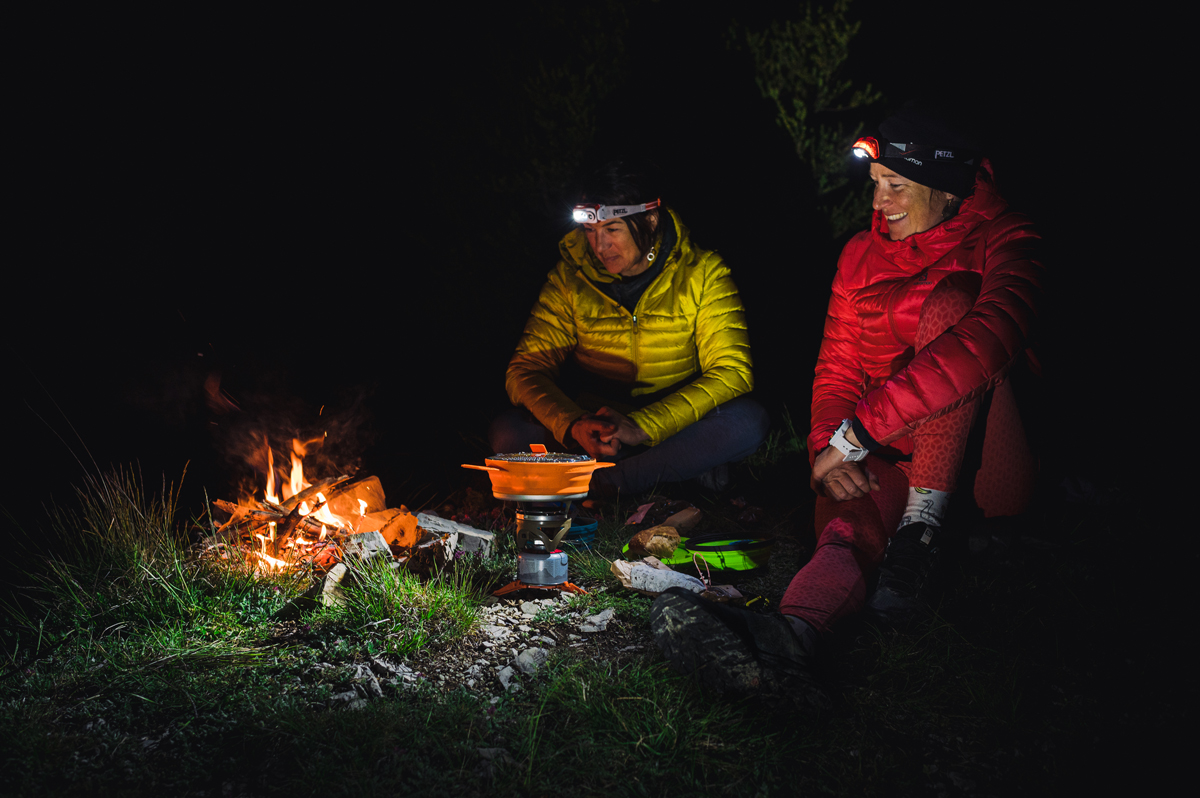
(651, 578)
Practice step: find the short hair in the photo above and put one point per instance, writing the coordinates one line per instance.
(626, 183)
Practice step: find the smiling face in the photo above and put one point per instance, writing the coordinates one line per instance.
(908, 207)
(613, 245)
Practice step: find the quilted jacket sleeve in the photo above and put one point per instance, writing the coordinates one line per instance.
(723, 347)
(840, 379)
(974, 354)
(548, 340)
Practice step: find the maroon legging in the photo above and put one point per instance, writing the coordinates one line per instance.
(853, 534)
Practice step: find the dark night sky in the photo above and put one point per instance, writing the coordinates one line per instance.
(307, 207)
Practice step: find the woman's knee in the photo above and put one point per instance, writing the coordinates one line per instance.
(749, 423)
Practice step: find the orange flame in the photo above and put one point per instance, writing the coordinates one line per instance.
(297, 482)
(270, 492)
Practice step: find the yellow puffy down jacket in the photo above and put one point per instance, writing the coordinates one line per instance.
(689, 320)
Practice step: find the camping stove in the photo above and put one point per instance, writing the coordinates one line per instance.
(543, 484)
(540, 528)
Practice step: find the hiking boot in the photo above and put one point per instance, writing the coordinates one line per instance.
(904, 577)
(733, 651)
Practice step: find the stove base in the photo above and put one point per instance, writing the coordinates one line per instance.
(516, 585)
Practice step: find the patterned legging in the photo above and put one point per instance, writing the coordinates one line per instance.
(852, 535)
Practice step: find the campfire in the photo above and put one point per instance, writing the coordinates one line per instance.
(294, 522)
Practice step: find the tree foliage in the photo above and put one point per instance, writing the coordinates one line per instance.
(798, 66)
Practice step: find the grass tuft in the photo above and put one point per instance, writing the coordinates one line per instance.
(412, 613)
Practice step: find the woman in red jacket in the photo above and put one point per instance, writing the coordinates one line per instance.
(931, 308)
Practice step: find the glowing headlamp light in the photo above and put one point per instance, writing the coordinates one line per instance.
(590, 214)
(866, 147)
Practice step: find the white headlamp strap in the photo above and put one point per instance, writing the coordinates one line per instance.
(590, 214)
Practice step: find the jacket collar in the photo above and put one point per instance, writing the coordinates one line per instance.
(921, 249)
(574, 250)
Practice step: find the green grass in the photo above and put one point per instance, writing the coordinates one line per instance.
(409, 612)
(136, 664)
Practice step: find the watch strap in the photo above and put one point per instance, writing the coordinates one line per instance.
(850, 452)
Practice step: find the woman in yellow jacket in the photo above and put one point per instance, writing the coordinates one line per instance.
(636, 350)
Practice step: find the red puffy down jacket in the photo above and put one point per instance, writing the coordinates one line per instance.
(868, 368)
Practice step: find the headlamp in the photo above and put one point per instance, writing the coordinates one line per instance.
(868, 147)
(590, 214)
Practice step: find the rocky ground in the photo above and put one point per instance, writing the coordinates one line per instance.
(515, 637)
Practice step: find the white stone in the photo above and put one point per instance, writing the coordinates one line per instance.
(366, 545)
(365, 680)
(383, 668)
(466, 537)
(531, 659)
(331, 586)
(597, 622)
(347, 700)
(529, 608)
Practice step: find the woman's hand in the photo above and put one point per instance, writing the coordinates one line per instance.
(596, 435)
(833, 477)
(628, 433)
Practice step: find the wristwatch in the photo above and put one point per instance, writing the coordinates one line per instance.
(852, 453)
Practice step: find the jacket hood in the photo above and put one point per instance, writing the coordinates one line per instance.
(574, 249)
(921, 249)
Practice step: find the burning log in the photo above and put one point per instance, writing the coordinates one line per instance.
(311, 491)
(241, 513)
(358, 499)
(374, 522)
(401, 530)
(286, 528)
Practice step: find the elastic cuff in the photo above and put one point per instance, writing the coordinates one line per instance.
(864, 438)
(568, 439)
